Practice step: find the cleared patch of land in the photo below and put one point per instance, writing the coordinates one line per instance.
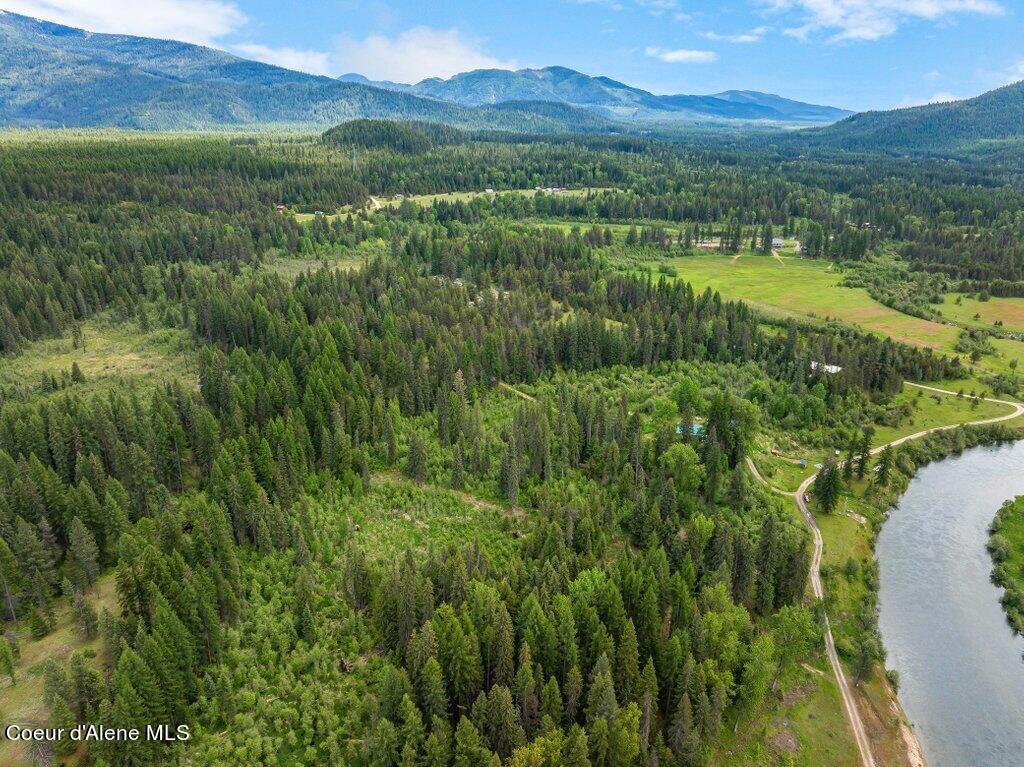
(397, 514)
(804, 726)
(111, 350)
(346, 259)
(426, 200)
(22, 703)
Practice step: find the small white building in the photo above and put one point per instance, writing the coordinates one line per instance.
(825, 367)
(778, 242)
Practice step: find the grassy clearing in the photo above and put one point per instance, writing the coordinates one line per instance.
(23, 703)
(398, 514)
(919, 410)
(346, 259)
(805, 287)
(971, 311)
(805, 727)
(931, 409)
(113, 350)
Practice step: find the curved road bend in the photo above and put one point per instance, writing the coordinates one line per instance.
(852, 713)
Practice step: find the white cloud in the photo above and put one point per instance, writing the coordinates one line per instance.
(753, 36)
(937, 98)
(414, 55)
(654, 7)
(681, 55)
(314, 62)
(873, 19)
(657, 7)
(1015, 73)
(194, 21)
(613, 5)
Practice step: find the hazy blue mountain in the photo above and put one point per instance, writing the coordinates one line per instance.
(953, 127)
(798, 111)
(609, 97)
(388, 85)
(52, 75)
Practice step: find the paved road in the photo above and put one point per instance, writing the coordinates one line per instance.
(852, 713)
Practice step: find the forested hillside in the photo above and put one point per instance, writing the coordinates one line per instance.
(435, 484)
(955, 127)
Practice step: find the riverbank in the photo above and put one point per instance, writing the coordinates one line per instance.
(944, 631)
(1006, 545)
(851, 585)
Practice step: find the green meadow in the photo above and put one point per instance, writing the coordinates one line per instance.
(798, 287)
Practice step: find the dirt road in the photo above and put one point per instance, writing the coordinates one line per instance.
(852, 713)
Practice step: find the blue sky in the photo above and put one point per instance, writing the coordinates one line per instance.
(861, 54)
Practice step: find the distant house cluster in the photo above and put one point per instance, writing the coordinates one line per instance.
(549, 189)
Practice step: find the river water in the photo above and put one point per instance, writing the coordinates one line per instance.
(961, 667)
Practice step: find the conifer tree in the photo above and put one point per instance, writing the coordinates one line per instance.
(601, 701)
(432, 696)
(86, 687)
(827, 487)
(83, 554)
(85, 617)
(416, 466)
(458, 472)
(573, 693)
(575, 750)
(627, 664)
(885, 465)
(551, 701)
(7, 664)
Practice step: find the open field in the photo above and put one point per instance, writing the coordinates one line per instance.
(112, 351)
(1008, 310)
(22, 703)
(799, 287)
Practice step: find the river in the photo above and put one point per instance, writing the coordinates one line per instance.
(961, 667)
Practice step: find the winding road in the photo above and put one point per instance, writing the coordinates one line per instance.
(800, 496)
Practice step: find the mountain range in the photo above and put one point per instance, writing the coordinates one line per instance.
(610, 98)
(52, 75)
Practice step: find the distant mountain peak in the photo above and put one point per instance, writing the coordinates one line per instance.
(613, 98)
